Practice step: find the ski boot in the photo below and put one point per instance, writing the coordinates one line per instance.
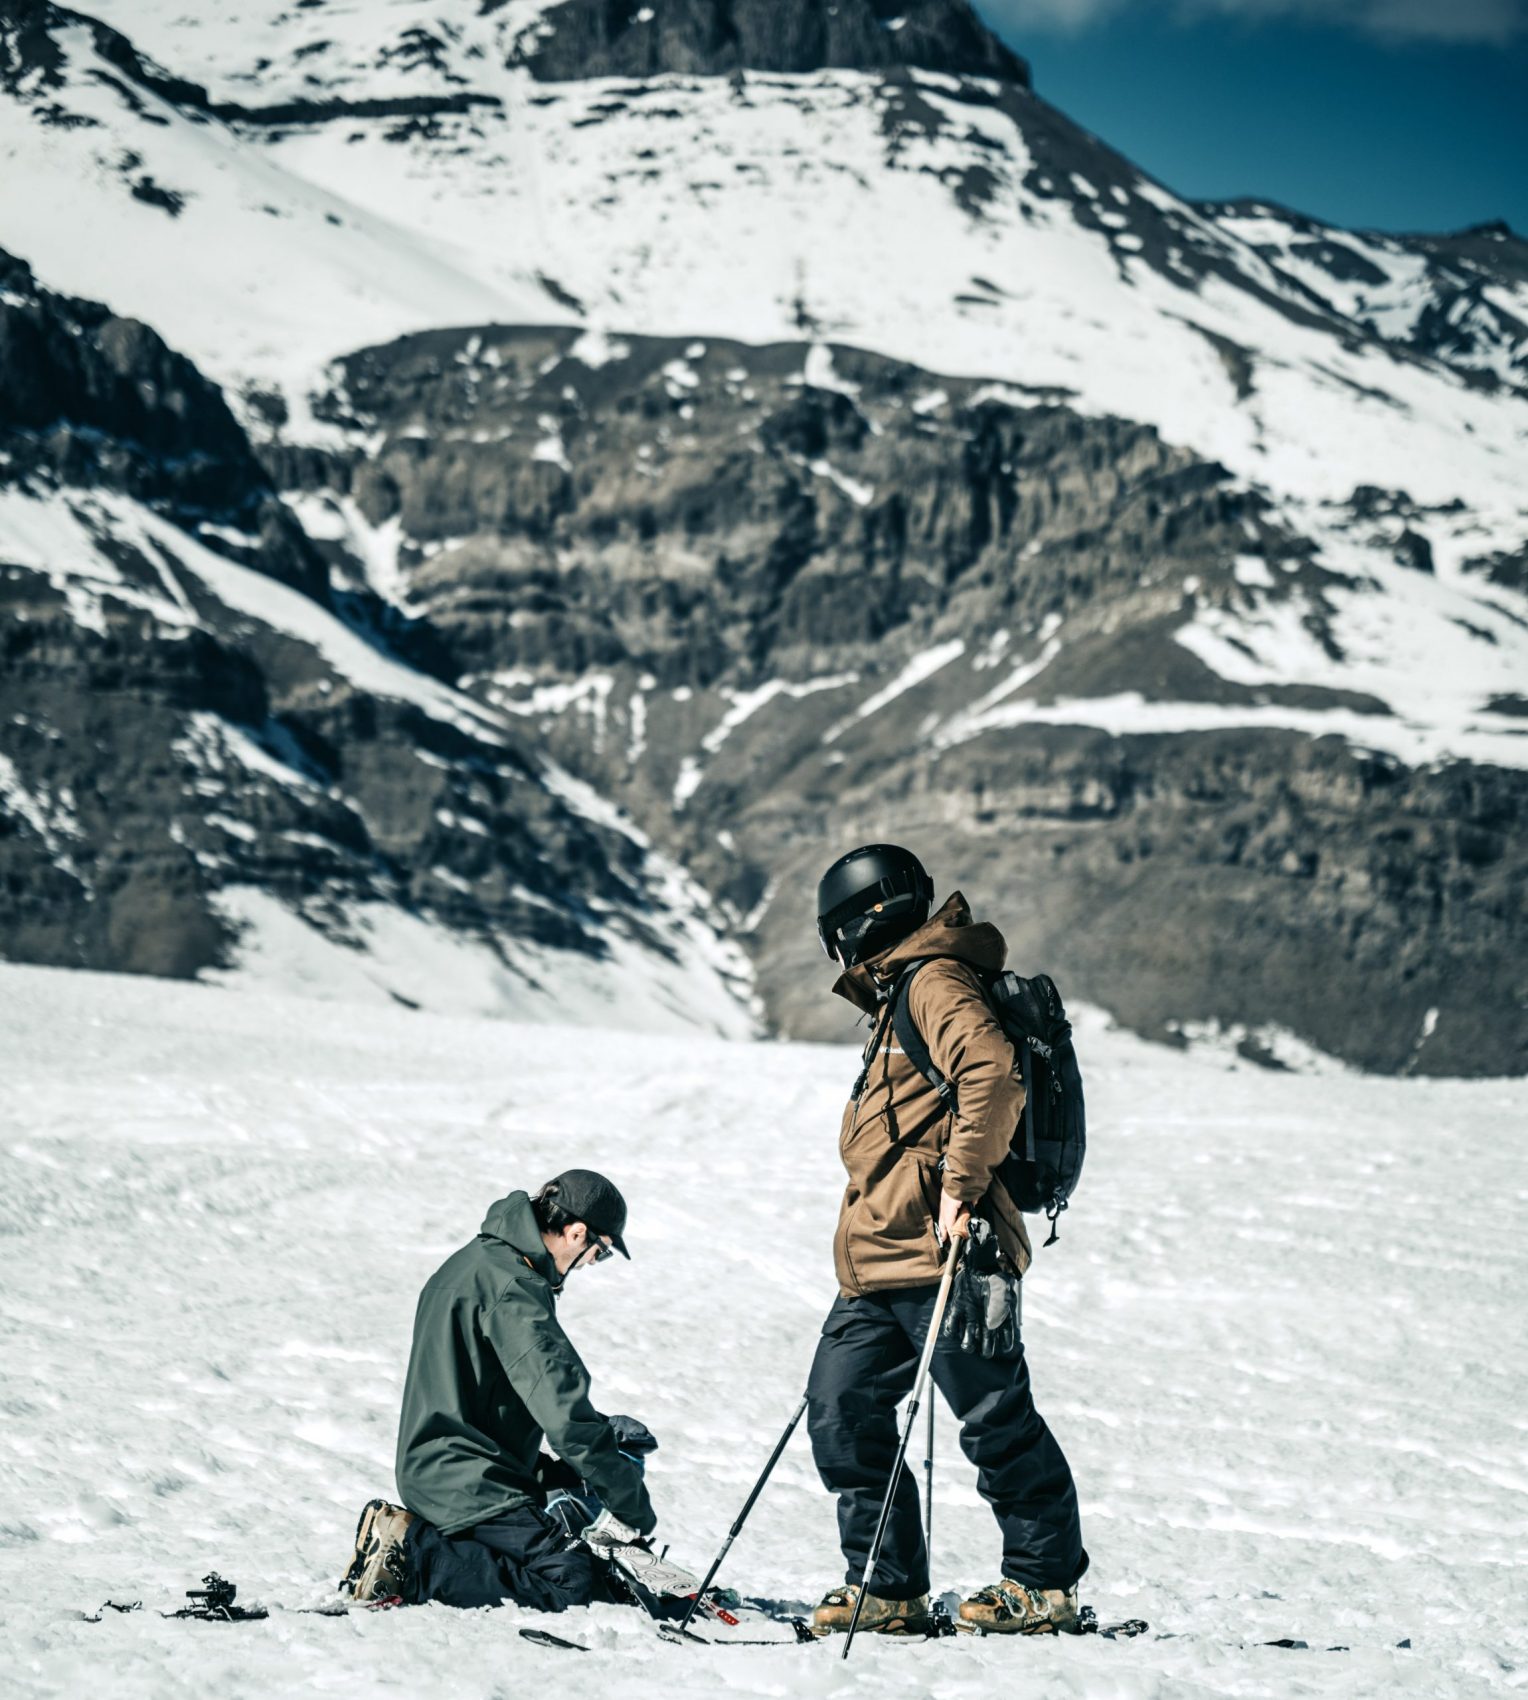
(881, 1617)
(1009, 1608)
(378, 1566)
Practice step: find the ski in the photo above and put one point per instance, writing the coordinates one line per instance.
(663, 1590)
(1125, 1630)
(213, 1602)
(676, 1635)
(802, 1634)
(545, 1638)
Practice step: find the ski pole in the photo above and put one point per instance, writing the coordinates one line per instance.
(928, 1487)
(907, 1428)
(742, 1516)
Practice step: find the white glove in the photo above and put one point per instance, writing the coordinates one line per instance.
(609, 1531)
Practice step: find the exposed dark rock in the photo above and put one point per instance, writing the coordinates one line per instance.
(1452, 317)
(613, 38)
(156, 754)
(1368, 501)
(1238, 361)
(29, 52)
(155, 195)
(718, 514)
(89, 399)
(1495, 248)
(1244, 878)
(1342, 262)
(1507, 567)
(167, 810)
(1413, 550)
(329, 111)
(721, 523)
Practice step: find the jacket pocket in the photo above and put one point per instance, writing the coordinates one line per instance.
(906, 1201)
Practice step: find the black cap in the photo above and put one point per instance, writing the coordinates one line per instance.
(590, 1198)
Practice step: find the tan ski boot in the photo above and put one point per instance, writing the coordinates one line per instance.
(882, 1617)
(377, 1567)
(1009, 1608)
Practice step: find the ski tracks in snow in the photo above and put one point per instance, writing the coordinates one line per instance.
(1279, 1360)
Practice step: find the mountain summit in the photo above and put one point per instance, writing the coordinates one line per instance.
(594, 38)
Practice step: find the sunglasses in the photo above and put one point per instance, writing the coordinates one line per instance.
(596, 1250)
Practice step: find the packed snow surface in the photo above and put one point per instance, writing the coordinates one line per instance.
(1279, 1358)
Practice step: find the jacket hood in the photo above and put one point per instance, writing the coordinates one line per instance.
(949, 931)
(512, 1221)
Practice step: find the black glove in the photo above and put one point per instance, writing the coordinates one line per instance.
(635, 1439)
(983, 1313)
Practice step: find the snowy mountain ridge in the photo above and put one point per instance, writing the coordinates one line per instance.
(597, 352)
(1064, 267)
(1460, 298)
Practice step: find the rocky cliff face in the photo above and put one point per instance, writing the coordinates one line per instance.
(91, 400)
(779, 600)
(189, 716)
(710, 512)
(593, 38)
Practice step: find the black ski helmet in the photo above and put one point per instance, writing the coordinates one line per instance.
(869, 899)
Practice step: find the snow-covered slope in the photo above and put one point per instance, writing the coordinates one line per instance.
(1278, 1360)
(1196, 533)
(1462, 297)
(1003, 241)
(235, 255)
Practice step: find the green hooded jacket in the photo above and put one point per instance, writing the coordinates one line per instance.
(490, 1373)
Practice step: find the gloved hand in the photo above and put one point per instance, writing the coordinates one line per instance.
(635, 1439)
(607, 1530)
(982, 1316)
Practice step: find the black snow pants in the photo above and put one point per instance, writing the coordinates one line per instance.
(865, 1364)
(521, 1556)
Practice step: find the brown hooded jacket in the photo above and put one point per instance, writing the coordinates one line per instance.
(895, 1133)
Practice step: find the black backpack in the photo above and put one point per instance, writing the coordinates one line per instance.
(1042, 1167)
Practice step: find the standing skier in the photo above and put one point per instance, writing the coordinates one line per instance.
(490, 1375)
(918, 1170)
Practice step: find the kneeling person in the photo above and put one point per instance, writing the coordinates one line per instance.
(492, 1373)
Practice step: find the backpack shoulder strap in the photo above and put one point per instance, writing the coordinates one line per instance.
(872, 1045)
(911, 1040)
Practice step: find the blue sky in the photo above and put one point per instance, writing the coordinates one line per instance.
(1396, 114)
